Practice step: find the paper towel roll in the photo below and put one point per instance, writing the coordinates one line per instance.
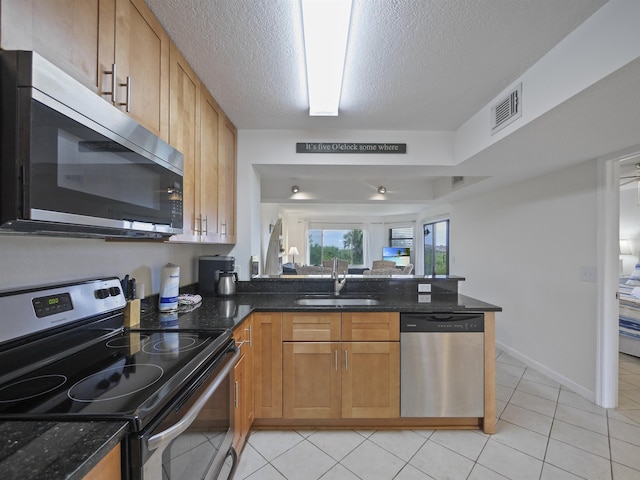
(169, 286)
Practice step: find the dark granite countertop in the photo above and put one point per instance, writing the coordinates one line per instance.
(55, 450)
(227, 312)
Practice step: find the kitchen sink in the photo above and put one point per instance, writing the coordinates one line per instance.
(336, 301)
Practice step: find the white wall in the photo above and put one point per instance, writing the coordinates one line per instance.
(34, 260)
(248, 233)
(522, 247)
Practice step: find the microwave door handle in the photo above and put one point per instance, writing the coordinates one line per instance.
(163, 438)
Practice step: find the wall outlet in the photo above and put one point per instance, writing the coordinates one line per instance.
(588, 274)
(424, 288)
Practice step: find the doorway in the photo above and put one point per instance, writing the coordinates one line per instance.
(608, 266)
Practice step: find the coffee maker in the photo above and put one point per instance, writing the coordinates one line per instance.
(209, 270)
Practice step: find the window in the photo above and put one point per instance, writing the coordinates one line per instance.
(401, 237)
(436, 248)
(327, 244)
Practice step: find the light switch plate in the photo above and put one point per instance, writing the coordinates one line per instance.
(588, 274)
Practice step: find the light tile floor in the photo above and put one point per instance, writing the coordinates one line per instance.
(544, 432)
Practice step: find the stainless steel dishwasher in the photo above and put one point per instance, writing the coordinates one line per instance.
(442, 365)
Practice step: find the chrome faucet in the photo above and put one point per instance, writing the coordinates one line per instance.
(337, 283)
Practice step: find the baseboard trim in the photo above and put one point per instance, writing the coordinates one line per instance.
(552, 374)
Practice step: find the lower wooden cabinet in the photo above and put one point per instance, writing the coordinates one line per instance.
(267, 367)
(312, 376)
(342, 369)
(109, 468)
(371, 380)
(341, 379)
(243, 385)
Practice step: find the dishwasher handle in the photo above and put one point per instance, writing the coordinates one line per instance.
(441, 322)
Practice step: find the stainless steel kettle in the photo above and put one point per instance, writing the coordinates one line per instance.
(227, 283)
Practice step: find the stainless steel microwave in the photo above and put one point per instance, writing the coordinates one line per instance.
(72, 164)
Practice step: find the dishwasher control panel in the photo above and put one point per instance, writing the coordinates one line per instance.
(441, 322)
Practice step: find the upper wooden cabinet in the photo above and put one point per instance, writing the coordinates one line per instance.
(227, 182)
(118, 49)
(76, 35)
(142, 66)
(86, 38)
(209, 168)
(184, 134)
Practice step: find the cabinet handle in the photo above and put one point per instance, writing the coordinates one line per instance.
(223, 229)
(127, 102)
(197, 230)
(114, 83)
(235, 401)
(250, 335)
(346, 360)
(336, 358)
(205, 226)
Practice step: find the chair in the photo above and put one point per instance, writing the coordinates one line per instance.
(382, 271)
(380, 264)
(343, 265)
(407, 269)
(313, 270)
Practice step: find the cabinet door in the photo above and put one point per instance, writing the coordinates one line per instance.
(75, 35)
(248, 412)
(311, 327)
(267, 364)
(184, 134)
(370, 379)
(227, 183)
(109, 467)
(142, 61)
(371, 326)
(239, 424)
(311, 379)
(243, 389)
(209, 165)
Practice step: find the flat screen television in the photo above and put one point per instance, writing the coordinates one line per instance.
(400, 255)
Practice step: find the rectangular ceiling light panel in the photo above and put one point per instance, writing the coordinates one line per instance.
(326, 31)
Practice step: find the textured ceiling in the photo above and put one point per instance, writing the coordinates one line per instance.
(411, 64)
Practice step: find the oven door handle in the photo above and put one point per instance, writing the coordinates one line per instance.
(163, 438)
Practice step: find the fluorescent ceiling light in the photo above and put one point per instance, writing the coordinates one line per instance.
(326, 30)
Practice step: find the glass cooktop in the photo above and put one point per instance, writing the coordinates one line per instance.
(132, 374)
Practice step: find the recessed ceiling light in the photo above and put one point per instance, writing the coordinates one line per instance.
(382, 190)
(326, 31)
(295, 189)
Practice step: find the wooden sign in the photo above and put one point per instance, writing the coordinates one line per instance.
(350, 147)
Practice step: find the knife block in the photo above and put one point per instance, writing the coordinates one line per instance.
(132, 313)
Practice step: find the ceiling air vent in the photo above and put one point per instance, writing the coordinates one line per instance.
(506, 110)
(456, 181)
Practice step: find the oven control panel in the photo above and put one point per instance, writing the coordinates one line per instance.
(37, 309)
(52, 304)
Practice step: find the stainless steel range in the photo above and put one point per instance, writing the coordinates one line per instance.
(65, 356)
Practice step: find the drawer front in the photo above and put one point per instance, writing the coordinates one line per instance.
(371, 326)
(311, 327)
